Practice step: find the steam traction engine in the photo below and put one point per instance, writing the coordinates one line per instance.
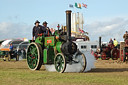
(57, 49)
(107, 52)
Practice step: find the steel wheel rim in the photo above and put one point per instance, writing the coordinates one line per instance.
(32, 56)
(60, 63)
(115, 54)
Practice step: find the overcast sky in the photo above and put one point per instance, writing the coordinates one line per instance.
(106, 18)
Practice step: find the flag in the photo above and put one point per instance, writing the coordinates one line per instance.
(81, 31)
(84, 5)
(70, 5)
(78, 5)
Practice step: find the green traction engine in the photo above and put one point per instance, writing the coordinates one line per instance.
(57, 49)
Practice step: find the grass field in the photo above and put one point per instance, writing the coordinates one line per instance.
(106, 73)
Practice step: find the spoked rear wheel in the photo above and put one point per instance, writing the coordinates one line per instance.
(34, 56)
(60, 63)
(80, 58)
(115, 54)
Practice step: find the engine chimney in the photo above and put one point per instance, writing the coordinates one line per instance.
(68, 48)
(68, 24)
(100, 43)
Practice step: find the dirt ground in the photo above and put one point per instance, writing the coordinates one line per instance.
(110, 66)
(107, 72)
(100, 65)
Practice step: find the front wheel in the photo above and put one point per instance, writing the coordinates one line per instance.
(104, 56)
(34, 56)
(60, 63)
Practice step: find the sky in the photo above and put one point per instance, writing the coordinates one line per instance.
(106, 18)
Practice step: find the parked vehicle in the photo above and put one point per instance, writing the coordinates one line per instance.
(5, 51)
(22, 49)
(107, 51)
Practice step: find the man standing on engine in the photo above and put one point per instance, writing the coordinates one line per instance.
(125, 36)
(37, 29)
(111, 41)
(115, 42)
(48, 32)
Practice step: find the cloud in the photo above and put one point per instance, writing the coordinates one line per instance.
(114, 28)
(10, 30)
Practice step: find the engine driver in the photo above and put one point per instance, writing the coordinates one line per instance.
(47, 30)
(37, 29)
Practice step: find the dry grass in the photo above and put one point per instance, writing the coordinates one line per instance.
(106, 73)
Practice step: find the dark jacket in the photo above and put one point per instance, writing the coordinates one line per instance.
(111, 41)
(47, 31)
(38, 30)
